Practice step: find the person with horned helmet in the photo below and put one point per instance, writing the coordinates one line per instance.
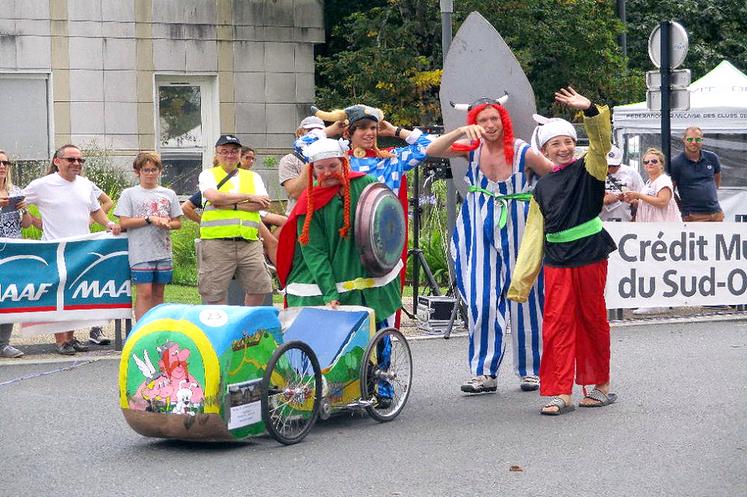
(564, 229)
(486, 241)
(318, 262)
(362, 125)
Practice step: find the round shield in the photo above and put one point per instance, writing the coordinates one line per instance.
(379, 229)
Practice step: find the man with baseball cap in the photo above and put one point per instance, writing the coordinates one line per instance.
(292, 171)
(621, 178)
(229, 228)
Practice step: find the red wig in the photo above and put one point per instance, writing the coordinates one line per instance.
(508, 131)
(304, 238)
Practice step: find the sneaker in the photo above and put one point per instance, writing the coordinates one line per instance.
(480, 384)
(65, 348)
(649, 310)
(78, 346)
(10, 352)
(97, 336)
(529, 383)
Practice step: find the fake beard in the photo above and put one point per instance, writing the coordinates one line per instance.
(331, 176)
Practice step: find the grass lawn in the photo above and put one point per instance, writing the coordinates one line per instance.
(182, 294)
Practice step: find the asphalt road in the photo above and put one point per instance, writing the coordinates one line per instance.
(678, 429)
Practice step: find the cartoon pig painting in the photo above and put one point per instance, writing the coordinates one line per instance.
(173, 389)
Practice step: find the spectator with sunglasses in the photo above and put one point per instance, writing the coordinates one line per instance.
(696, 175)
(66, 200)
(656, 200)
(96, 335)
(12, 219)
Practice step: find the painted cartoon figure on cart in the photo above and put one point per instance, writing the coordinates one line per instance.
(171, 389)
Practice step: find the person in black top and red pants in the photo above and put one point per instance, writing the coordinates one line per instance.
(564, 228)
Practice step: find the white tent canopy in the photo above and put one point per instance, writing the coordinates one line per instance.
(718, 104)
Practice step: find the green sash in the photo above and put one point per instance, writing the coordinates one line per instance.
(502, 200)
(590, 227)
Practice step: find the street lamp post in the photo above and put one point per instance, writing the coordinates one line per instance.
(447, 9)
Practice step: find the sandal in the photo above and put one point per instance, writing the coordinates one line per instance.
(562, 405)
(600, 397)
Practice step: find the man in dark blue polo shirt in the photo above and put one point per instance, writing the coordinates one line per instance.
(696, 174)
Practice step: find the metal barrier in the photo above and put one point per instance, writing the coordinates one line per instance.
(118, 339)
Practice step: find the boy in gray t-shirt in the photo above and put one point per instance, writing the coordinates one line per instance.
(148, 211)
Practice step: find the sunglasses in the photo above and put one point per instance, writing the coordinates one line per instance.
(73, 160)
(651, 161)
(5, 162)
(690, 139)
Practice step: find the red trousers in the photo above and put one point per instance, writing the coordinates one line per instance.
(575, 333)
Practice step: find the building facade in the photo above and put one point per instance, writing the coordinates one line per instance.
(164, 75)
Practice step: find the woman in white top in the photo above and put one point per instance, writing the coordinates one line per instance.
(656, 201)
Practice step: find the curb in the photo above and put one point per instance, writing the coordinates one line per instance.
(115, 355)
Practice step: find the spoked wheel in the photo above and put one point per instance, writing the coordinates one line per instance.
(291, 392)
(386, 374)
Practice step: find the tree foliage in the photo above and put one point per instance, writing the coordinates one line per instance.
(389, 61)
(387, 53)
(717, 30)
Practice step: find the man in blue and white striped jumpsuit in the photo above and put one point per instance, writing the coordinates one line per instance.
(486, 242)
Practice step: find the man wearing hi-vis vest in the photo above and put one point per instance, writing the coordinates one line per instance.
(229, 229)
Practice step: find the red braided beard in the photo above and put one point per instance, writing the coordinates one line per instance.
(344, 179)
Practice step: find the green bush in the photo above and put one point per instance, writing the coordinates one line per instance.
(433, 237)
(183, 247)
(103, 173)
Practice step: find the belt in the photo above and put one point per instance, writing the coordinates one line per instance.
(313, 290)
(502, 201)
(590, 227)
(234, 239)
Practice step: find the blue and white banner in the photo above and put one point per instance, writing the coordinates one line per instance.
(677, 265)
(84, 278)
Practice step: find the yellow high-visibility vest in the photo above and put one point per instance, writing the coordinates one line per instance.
(229, 223)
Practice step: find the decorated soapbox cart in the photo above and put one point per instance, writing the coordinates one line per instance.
(230, 373)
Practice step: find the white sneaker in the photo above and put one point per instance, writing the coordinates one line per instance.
(529, 383)
(480, 384)
(10, 352)
(649, 310)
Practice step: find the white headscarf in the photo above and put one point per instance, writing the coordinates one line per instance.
(325, 148)
(549, 129)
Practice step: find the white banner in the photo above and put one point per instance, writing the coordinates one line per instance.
(677, 264)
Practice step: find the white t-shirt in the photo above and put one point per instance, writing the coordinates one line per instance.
(629, 179)
(65, 206)
(647, 213)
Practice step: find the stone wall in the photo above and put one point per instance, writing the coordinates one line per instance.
(103, 57)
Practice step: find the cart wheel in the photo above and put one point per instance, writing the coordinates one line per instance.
(386, 382)
(291, 392)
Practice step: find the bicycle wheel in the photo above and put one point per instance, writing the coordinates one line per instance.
(291, 392)
(386, 374)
